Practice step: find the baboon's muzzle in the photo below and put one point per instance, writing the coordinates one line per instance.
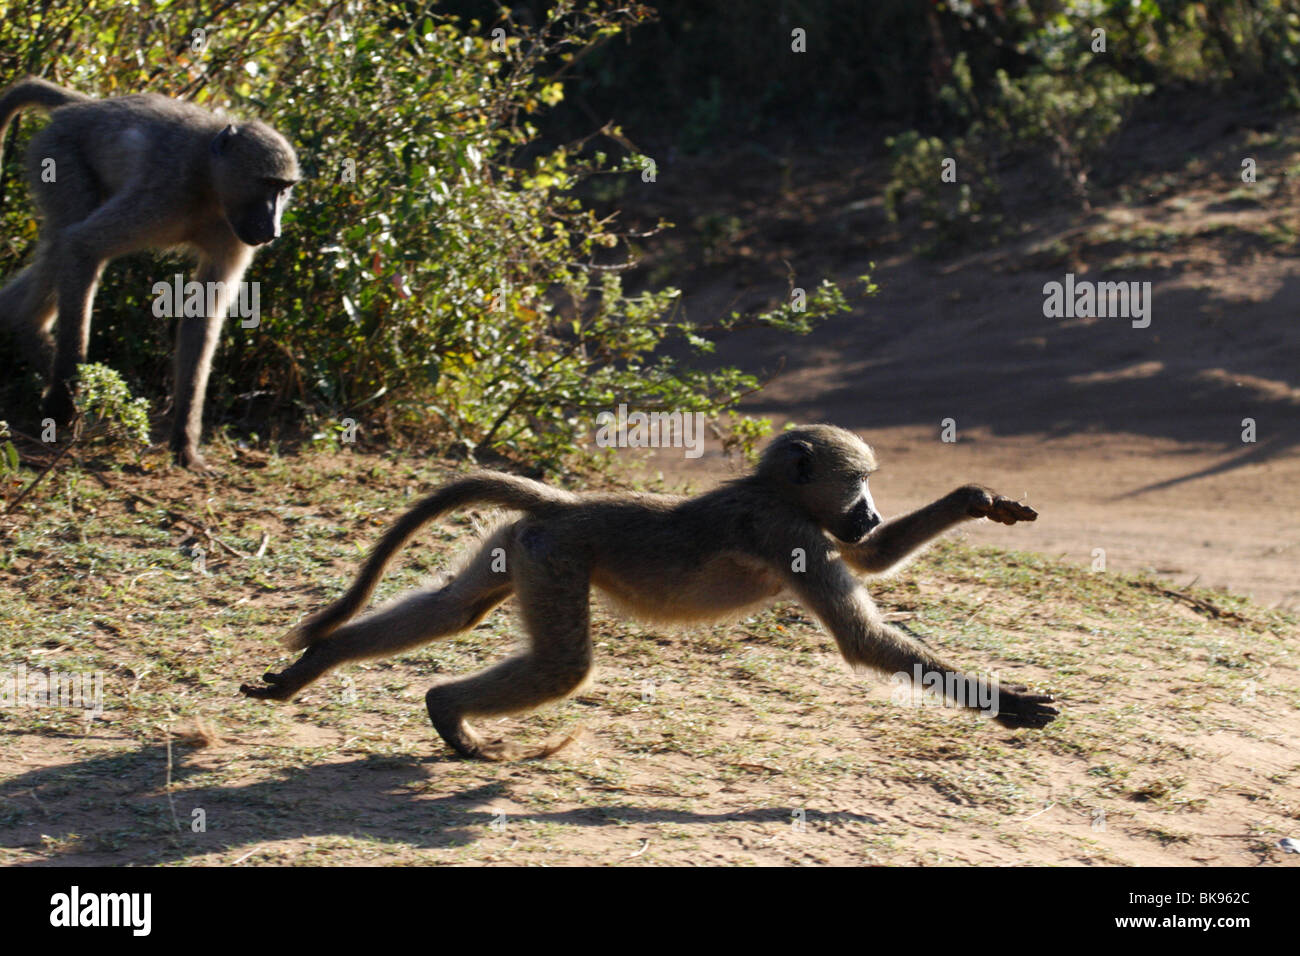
(859, 522)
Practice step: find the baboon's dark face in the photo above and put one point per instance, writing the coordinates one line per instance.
(825, 469)
(257, 221)
(860, 519)
(253, 169)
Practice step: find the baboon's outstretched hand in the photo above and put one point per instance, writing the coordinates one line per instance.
(273, 690)
(987, 504)
(1019, 708)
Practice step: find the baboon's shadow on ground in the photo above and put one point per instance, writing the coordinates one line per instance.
(114, 809)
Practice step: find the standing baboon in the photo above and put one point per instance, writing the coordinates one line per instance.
(119, 175)
(658, 557)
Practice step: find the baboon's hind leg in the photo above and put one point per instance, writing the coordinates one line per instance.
(28, 303)
(554, 599)
(27, 307)
(414, 620)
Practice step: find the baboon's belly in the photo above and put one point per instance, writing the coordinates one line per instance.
(719, 588)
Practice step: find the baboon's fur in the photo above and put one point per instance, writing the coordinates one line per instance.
(660, 558)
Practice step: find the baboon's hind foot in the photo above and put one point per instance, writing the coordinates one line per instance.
(312, 664)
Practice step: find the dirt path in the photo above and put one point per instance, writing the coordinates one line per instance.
(1184, 512)
(1128, 439)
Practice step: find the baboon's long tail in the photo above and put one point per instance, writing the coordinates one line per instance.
(493, 488)
(32, 91)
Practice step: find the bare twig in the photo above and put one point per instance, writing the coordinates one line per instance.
(172, 513)
(199, 526)
(13, 505)
(1205, 607)
(170, 799)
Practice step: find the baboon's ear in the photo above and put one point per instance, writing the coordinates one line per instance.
(221, 140)
(799, 462)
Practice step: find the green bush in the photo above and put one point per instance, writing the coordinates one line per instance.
(436, 274)
(1064, 96)
(1068, 108)
(108, 409)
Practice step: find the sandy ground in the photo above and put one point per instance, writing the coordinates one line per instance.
(1127, 440)
(739, 744)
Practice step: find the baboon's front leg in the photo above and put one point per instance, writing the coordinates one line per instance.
(196, 343)
(554, 603)
(865, 640)
(898, 538)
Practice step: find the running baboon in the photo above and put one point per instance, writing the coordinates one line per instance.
(127, 173)
(751, 541)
